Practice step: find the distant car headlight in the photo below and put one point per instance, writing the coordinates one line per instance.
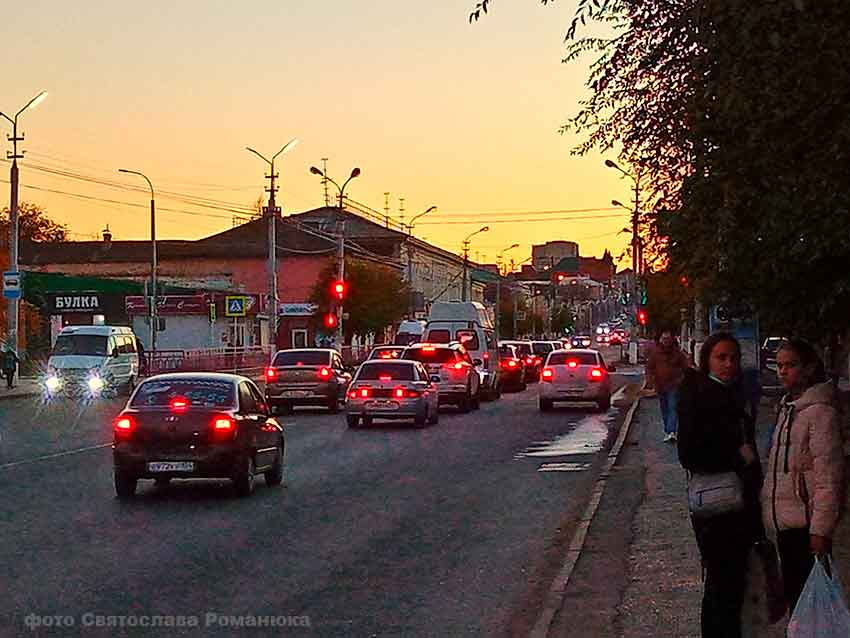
(53, 383)
(95, 384)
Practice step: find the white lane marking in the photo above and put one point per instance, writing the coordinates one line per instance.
(47, 457)
(563, 467)
(587, 437)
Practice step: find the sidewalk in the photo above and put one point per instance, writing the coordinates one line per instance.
(639, 574)
(24, 387)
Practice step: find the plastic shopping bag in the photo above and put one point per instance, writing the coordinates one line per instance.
(821, 611)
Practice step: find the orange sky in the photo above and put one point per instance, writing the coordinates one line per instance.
(431, 108)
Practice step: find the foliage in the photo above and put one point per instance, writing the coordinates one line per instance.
(377, 296)
(666, 297)
(33, 224)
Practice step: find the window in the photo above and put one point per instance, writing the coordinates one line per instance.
(583, 358)
(541, 348)
(507, 351)
(247, 402)
(301, 358)
(397, 371)
(468, 339)
(439, 336)
(299, 338)
(437, 355)
(490, 339)
(131, 344)
(262, 408)
(200, 392)
(423, 375)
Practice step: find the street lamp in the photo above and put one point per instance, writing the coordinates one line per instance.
(272, 212)
(340, 251)
(483, 229)
(499, 258)
(422, 214)
(152, 307)
(637, 257)
(410, 259)
(12, 308)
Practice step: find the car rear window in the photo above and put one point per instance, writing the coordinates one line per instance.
(541, 348)
(439, 336)
(437, 355)
(468, 339)
(396, 371)
(523, 349)
(583, 358)
(506, 351)
(302, 358)
(200, 392)
(386, 353)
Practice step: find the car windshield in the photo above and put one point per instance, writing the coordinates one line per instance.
(582, 358)
(301, 358)
(395, 371)
(88, 345)
(206, 393)
(426, 355)
(541, 348)
(522, 349)
(386, 353)
(506, 351)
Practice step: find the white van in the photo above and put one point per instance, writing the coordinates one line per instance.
(409, 332)
(469, 323)
(91, 360)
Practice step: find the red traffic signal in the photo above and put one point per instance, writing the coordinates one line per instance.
(330, 320)
(684, 281)
(338, 289)
(642, 317)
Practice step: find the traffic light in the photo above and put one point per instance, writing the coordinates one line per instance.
(338, 289)
(642, 317)
(684, 281)
(330, 320)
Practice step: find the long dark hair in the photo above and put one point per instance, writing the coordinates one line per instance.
(709, 345)
(808, 356)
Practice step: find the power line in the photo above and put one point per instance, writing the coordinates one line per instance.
(526, 212)
(520, 220)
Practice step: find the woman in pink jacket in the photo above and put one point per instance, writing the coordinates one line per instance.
(803, 490)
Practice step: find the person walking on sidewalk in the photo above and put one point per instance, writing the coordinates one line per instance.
(10, 365)
(665, 369)
(716, 435)
(804, 492)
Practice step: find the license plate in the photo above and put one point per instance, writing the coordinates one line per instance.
(295, 394)
(171, 466)
(385, 405)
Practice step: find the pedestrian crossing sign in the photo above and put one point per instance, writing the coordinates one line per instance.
(235, 306)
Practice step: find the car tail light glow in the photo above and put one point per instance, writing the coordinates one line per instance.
(387, 355)
(325, 373)
(271, 374)
(596, 374)
(179, 404)
(124, 425)
(572, 363)
(548, 374)
(224, 424)
(459, 365)
(486, 355)
(429, 349)
(385, 377)
(399, 393)
(364, 393)
(512, 363)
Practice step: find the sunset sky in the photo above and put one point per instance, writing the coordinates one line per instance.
(431, 109)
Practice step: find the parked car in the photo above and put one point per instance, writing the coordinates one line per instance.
(469, 323)
(513, 368)
(577, 375)
(399, 389)
(459, 382)
(196, 425)
(307, 376)
(533, 363)
(582, 341)
(386, 352)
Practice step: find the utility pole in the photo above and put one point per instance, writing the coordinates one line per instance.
(325, 181)
(465, 269)
(498, 308)
(514, 315)
(401, 210)
(410, 278)
(387, 209)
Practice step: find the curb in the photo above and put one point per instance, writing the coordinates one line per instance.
(557, 592)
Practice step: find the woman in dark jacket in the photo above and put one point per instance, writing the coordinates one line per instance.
(716, 435)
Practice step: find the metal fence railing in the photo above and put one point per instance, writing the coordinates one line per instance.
(241, 360)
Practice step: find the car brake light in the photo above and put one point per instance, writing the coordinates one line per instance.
(429, 349)
(223, 424)
(548, 374)
(596, 374)
(179, 404)
(124, 424)
(486, 355)
(364, 393)
(325, 373)
(386, 355)
(399, 393)
(572, 363)
(385, 378)
(512, 364)
(459, 365)
(271, 374)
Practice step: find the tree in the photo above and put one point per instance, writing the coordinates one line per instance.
(377, 296)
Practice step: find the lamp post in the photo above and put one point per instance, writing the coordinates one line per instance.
(463, 292)
(340, 255)
(152, 308)
(272, 211)
(12, 307)
(410, 259)
(637, 257)
(499, 258)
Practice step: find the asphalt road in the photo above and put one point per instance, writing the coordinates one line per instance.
(453, 530)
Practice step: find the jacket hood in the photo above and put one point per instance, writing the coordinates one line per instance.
(819, 393)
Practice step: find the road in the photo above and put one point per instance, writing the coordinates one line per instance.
(453, 530)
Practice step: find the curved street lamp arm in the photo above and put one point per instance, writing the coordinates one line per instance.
(8, 118)
(38, 98)
(124, 170)
(260, 155)
(287, 147)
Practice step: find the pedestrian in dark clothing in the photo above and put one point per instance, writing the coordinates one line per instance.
(804, 491)
(665, 369)
(10, 365)
(716, 435)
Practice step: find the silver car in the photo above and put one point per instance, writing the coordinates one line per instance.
(393, 389)
(575, 375)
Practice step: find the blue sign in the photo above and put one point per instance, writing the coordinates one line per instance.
(12, 284)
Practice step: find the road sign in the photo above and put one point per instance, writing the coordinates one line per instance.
(235, 306)
(12, 284)
(212, 313)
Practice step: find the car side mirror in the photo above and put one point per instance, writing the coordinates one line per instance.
(477, 362)
(435, 378)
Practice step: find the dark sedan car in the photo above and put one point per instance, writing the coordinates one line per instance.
(306, 376)
(513, 368)
(196, 425)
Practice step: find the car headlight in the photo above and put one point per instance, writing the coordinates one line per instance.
(95, 384)
(53, 383)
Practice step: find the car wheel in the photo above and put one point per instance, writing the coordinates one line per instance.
(353, 420)
(435, 417)
(604, 404)
(333, 404)
(285, 407)
(475, 402)
(275, 475)
(465, 404)
(367, 422)
(420, 420)
(125, 485)
(243, 481)
(545, 405)
(497, 393)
